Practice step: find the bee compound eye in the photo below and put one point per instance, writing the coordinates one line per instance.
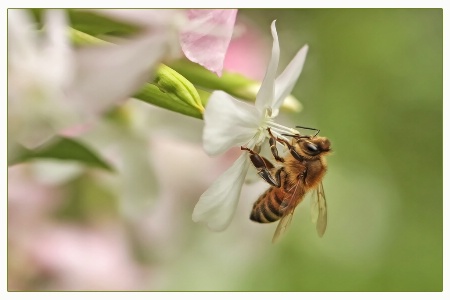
(311, 147)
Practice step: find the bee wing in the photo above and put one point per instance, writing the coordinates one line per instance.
(284, 223)
(319, 210)
(287, 206)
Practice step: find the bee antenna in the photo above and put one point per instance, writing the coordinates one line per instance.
(296, 136)
(317, 130)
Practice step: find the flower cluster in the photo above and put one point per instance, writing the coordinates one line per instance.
(53, 85)
(94, 167)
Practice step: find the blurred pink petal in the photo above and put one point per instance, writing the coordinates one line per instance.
(82, 258)
(206, 38)
(76, 130)
(248, 52)
(28, 198)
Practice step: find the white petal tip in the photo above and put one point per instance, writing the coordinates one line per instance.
(273, 26)
(217, 205)
(211, 225)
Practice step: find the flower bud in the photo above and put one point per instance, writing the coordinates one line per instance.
(177, 87)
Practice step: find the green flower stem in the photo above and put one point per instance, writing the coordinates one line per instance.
(231, 83)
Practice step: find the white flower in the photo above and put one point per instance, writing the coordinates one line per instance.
(229, 123)
(52, 86)
(37, 74)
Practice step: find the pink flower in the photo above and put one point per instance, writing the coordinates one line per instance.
(205, 40)
(28, 198)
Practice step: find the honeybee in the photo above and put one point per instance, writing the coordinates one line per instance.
(301, 171)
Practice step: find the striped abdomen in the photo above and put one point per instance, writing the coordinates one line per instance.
(267, 208)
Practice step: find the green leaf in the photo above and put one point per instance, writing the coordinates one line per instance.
(93, 23)
(80, 38)
(97, 24)
(63, 149)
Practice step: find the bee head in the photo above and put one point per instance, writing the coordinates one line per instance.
(309, 147)
(313, 146)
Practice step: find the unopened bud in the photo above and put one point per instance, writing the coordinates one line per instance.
(177, 87)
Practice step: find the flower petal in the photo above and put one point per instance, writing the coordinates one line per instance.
(228, 122)
(39, 68)
(286, 81)
(43, 59)
(265, 96)
(165, 22)
(248, 52)
(22, 38)
(110, 74)
(218, 203)
(144, 17)
(57, 46)
(206, 36)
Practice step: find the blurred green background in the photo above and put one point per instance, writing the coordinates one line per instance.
(372, 83)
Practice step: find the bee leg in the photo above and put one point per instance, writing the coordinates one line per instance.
(268, 177)
(273, 147)
(264, 167)
(278, 176)
(296, 155)
(274, 138)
